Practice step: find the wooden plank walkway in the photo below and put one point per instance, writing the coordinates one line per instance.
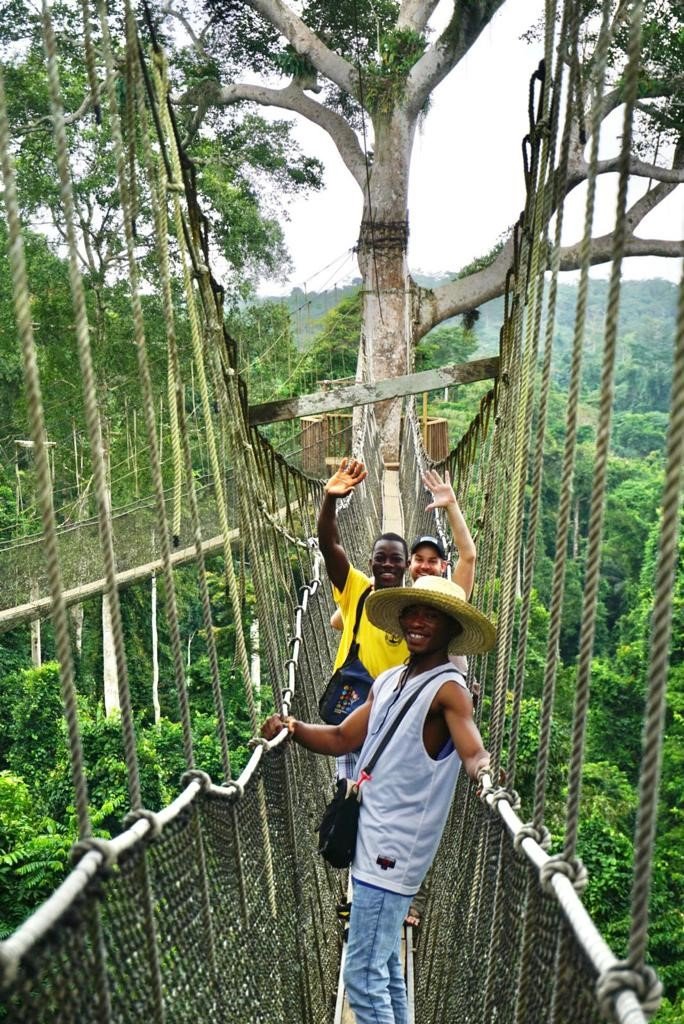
(392, 515)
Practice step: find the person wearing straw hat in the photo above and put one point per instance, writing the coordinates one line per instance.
(407, 798)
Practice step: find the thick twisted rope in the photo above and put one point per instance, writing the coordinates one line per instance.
(91, 410)
(549, 198)
(22, 306)
(596, 516)
(661, 628)
(196, 334)
(569, 450)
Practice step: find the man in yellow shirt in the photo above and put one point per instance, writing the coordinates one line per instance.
(378, 650)
(387, 564)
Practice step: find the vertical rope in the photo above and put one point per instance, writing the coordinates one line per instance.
(551, 198)
(568, 464)
(22, 308)
(595, 535)
(661, 628)
(91, 410)
(159, 72)
(213, 343)
(91, 67)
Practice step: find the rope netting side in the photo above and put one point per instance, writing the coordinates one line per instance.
(527, 949)
(214, 906)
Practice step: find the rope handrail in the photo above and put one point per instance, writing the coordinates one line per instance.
(628, 1007)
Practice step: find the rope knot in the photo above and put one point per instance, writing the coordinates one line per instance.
(541, 836)
(90, 843)
(573, 869)
(149, 816)
(511, 796)
(495, 794)
(643, 981)
(286, 695)
(197, 775)
(542, 128)
(258, 741)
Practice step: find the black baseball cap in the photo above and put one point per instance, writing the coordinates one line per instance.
(433, 542)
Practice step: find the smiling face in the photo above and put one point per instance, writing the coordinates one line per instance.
(426, 629)
(388, 563)
(426, 562)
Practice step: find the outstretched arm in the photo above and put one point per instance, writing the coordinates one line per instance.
(443, 496)
(349, 474)
(324, 739)
(457, 707)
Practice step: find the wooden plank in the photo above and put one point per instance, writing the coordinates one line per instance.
(367, 394)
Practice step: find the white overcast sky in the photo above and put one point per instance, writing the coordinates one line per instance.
(466, 183)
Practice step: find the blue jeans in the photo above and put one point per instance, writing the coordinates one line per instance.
(373, 976)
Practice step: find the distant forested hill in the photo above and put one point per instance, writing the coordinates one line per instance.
(647, 313)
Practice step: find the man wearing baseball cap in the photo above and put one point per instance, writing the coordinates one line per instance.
(407, 799)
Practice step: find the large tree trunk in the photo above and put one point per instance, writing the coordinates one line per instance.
(386, 329)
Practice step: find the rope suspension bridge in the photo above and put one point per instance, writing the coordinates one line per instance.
(217, 907)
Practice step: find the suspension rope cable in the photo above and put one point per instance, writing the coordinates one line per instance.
(22, 305)
(596, 515)
(91, 410)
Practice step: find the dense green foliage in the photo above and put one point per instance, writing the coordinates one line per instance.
(36, 817)
(247, 167)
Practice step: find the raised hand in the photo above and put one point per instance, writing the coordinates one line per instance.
(349, 473)
(442, 492)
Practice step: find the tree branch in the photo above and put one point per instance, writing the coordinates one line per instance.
(658, 89)
(170, 11)
(415, 14)
(46, 121)
(211, 94)
(601, 250)
(643, 206)
(308, 44)
(642, 169)
(458, 37)
(431, 307)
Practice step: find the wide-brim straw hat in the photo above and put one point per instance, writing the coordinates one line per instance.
(384, 607)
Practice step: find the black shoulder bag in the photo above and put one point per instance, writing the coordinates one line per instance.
(350, 684)
(337, 831)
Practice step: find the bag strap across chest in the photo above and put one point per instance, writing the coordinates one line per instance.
(406, 706)
(353, 646)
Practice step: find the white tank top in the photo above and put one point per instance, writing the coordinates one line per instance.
(406, 803)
